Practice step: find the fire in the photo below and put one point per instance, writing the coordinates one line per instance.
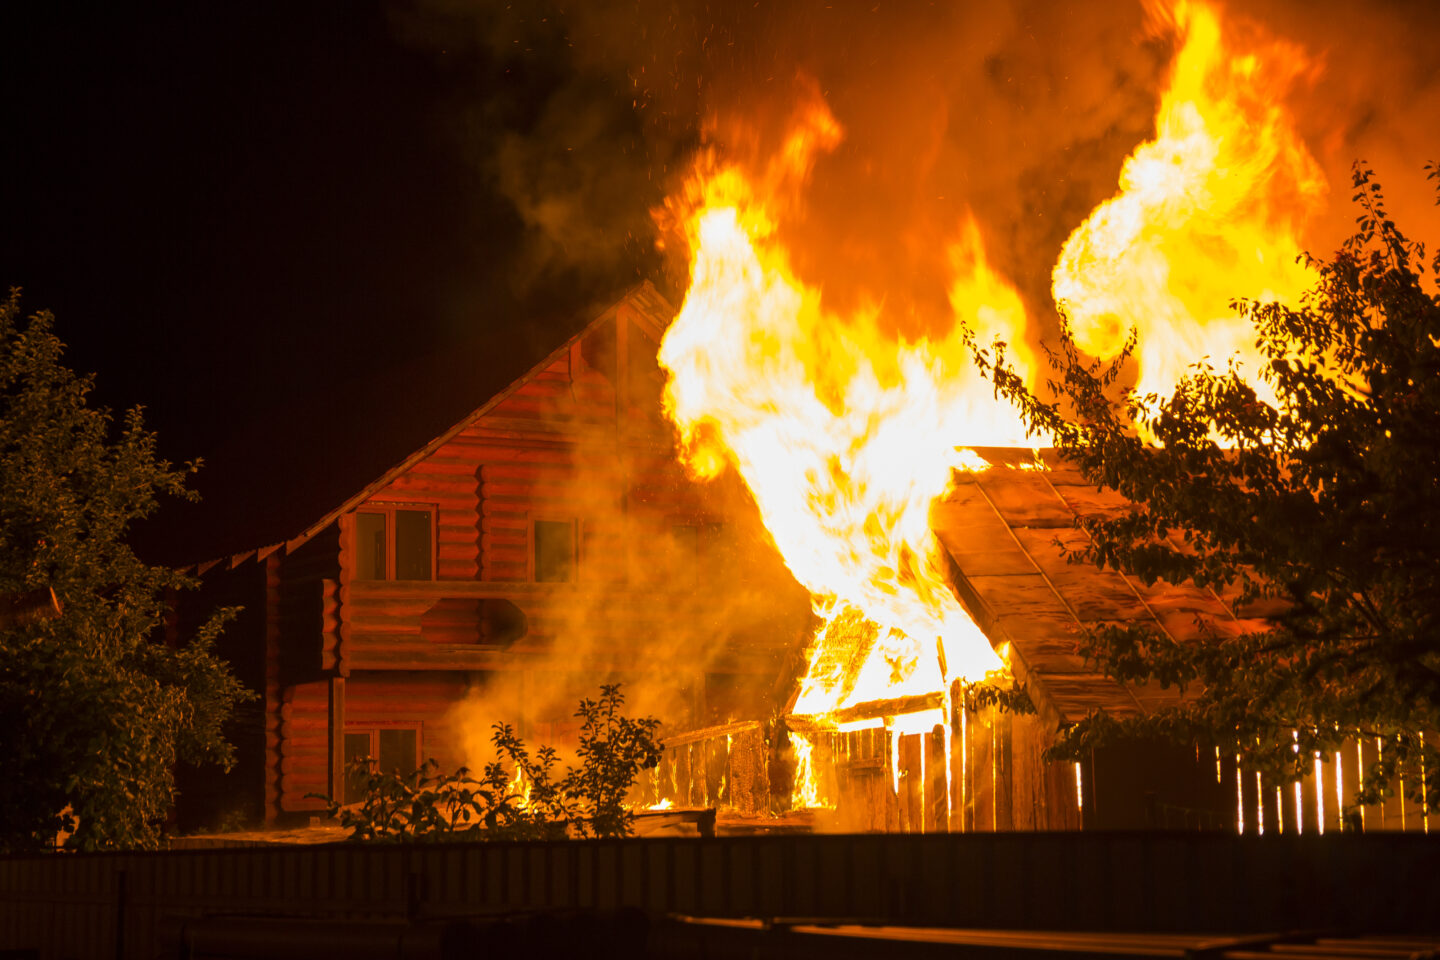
(1211, 209)
(843, 433)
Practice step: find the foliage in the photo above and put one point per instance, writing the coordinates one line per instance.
(95, 712)
(1321, 512)
(529, 804)
(1006, 695)
(613, 749)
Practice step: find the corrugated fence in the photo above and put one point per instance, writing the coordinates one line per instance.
(81, 906)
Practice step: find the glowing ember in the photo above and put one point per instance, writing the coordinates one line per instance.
(1209, 210)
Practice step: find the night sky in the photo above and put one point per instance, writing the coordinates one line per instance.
(275, 224)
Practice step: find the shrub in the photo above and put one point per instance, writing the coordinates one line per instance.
(528, 804)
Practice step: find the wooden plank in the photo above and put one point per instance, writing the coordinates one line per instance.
(981, 735)
(1062, 810)
(1026, 774)
(1004, 770)
(937, 794)
(1412, 811)
(1249, 800)
(1273, 809)
(1353, 772)
(1309, 800)
(1329, 788)
(912, 784)
(959, 765)
(891, 753)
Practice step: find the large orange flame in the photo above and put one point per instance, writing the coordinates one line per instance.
(1209, 210)
(843, 433)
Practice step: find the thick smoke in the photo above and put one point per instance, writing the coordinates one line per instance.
(584, 115)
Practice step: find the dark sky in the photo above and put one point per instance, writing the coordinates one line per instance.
(275, 225)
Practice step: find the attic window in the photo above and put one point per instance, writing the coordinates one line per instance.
(394, 542)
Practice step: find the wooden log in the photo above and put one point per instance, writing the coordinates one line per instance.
(892, 707)
(707, 733)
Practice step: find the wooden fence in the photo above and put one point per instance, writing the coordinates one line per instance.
(77, 906)
(986, 773)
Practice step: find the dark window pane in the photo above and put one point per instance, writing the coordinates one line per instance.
(369, 546)
(357, 746)
(412, 545)
(397, 752)
(554, 551)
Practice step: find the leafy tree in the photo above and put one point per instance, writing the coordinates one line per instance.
(528, 804)
(1324, 508)
(613, 749)
(95, 711)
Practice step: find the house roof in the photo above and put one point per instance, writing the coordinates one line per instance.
(645, 305)
(1007, 530)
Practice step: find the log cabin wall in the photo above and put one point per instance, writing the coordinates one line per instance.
(303, 653)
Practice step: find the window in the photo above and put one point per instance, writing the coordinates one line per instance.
(394, 542)
(393, 750)
(554, 545)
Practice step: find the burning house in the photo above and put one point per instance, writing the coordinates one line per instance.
(801, 527)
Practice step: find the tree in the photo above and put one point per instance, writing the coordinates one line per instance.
(95, 709)
(1325, 507)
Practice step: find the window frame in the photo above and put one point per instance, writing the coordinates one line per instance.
(373, 728)
(388, 508)
(575, 540)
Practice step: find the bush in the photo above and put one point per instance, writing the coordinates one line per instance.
(529, 804)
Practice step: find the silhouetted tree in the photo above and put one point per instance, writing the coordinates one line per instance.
(95, 709)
